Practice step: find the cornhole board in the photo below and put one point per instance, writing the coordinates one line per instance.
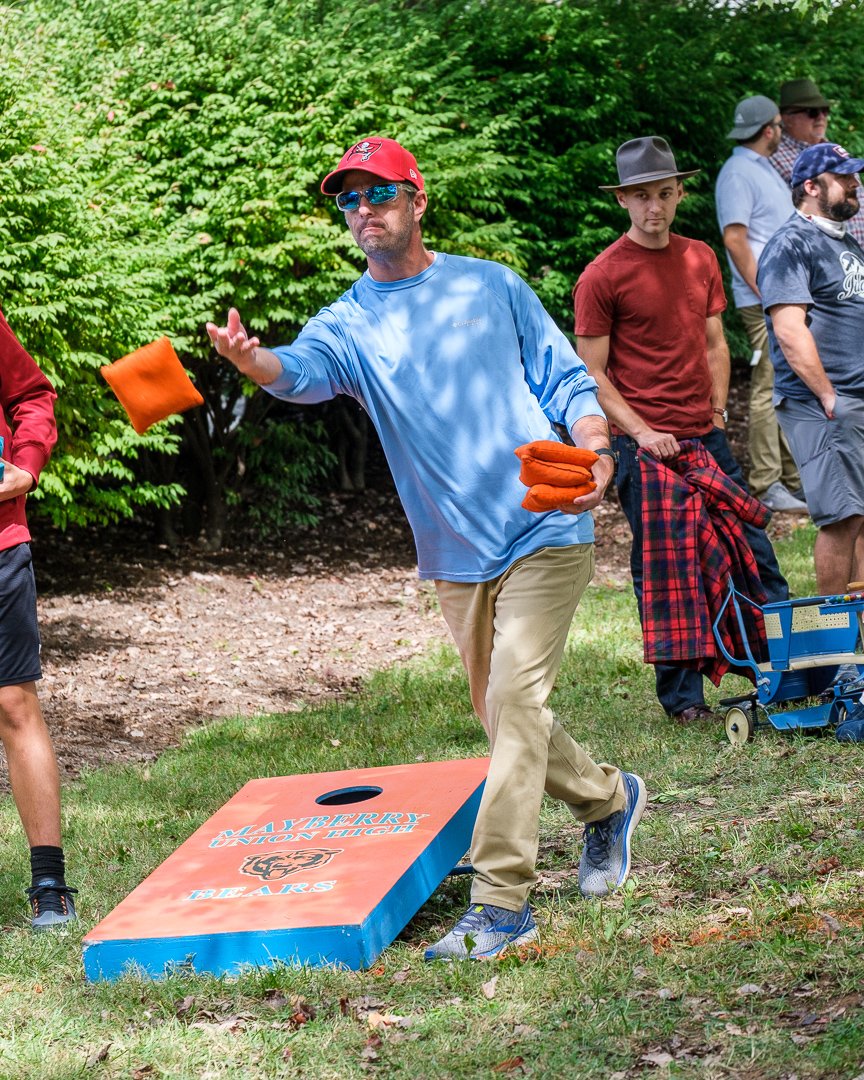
(320, 869)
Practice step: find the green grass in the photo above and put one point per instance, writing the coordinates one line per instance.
(735, 950)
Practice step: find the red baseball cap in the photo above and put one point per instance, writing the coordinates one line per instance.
(383, 157)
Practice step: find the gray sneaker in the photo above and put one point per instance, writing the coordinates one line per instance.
(484, 931)
(781, 501)
(605, 861)
(849, 678)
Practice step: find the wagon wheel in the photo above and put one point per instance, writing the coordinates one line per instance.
(739, 726)
(840, 712)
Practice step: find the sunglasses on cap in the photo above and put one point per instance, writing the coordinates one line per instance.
(814, 113)
(375, 196)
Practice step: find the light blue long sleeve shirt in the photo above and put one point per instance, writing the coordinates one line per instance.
(750, 191)
(456, 367)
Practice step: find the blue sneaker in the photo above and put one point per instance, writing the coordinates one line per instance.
(605, 861)
(51, 903)
(483, 931)
(852, 728)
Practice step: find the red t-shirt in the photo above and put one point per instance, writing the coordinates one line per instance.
(653, 305)
(26, 424)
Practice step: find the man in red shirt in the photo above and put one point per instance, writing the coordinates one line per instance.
(28, 433)
(649, 328)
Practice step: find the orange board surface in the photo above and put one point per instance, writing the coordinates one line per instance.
(324, 868)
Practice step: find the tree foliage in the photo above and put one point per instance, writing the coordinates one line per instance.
(162, 162)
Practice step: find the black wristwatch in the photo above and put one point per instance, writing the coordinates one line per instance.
(607, 451)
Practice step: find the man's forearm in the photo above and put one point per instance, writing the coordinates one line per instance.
(718, 366)
(802, 356)
(736, 243)
(260, 365)
(590, 432)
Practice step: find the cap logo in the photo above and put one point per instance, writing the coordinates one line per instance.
(412, 174)
(840, 152)
(364, 150)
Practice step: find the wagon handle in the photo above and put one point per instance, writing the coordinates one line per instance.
(733, 597)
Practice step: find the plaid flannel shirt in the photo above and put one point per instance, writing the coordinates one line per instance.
(783, 159)
(694, 541)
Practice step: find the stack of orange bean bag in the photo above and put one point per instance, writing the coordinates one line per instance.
(554, 473)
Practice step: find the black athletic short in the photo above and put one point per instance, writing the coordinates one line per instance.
(19, 632)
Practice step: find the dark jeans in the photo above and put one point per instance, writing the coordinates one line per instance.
(677, 687)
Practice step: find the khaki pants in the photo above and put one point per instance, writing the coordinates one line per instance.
(511, 633)
(770, 457)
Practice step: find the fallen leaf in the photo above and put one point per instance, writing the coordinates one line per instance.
(401, 976)
(709, 933)
(182, 1007)
(832, 926)
(378, 1020)
(749, 988)
(488, 988)
(98, 1056)
(510, 1065)
(371, 1048)
(660, 1058)
(825, 866)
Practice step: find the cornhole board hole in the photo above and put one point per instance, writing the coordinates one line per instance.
(321, 869)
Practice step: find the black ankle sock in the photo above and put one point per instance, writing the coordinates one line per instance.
(47, 862)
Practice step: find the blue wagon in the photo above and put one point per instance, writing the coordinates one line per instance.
(809, 641)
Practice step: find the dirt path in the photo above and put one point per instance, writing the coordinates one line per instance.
(139, 644)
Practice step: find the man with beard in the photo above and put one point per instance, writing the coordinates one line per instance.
(458, 364)
(752, 203)
(811, 278)
(804, 112)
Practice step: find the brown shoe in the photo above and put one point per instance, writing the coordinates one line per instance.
(695, 714)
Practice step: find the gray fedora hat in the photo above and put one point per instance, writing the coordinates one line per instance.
(802, 94)
(751, 114)
(640, 161)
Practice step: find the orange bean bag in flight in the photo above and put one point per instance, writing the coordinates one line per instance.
(151, 385)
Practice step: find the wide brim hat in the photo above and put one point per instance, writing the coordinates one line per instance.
(642, 161)
(751, 115)
(381, 157)
(802, 94)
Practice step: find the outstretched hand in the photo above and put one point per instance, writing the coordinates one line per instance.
(233, 342)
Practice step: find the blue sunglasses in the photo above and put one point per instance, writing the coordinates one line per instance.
(376, 195)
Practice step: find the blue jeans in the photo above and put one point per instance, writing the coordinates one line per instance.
(678, 688)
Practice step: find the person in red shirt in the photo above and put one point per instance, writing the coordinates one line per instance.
(649, 328)
(29, 432)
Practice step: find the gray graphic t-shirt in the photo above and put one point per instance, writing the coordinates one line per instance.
(803, 265)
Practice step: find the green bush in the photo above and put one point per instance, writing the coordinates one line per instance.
(162, 162)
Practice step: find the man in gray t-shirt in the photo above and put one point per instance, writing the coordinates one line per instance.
(811, 279)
